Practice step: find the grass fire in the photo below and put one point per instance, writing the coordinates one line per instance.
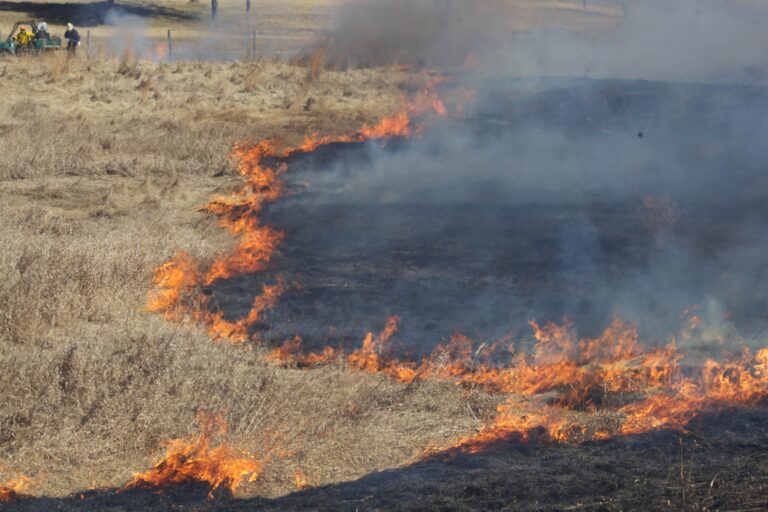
(383, 255)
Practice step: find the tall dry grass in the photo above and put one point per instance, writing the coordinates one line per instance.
(128, 117)
(101, 180)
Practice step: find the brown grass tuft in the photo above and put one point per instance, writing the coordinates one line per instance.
(129, 65)
(316, 64)
(56, 64)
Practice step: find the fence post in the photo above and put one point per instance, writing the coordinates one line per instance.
(247, 8)
(253, 44)
(214, 8)
(88, 43)
(170, 45)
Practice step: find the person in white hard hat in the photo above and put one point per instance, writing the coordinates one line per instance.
(73, 38)
(42, 31)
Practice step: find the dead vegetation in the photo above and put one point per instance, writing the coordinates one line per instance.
(105, 165)
(106, 162)
(134, 118)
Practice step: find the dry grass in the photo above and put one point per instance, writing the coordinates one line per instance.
(130, 118)
(105, 162)
(316, 64)
(105, 165)
(282, 25)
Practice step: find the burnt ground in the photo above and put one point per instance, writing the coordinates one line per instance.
(535, 205)
(719, 464)
(579, 198)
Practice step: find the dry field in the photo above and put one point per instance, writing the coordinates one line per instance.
(104, 168)
(105, 162)
(281, 26)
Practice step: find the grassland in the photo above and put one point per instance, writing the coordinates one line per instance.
(105, 161)
(281, 26)
(104, 166)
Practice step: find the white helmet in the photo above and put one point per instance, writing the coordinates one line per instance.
(42, 26)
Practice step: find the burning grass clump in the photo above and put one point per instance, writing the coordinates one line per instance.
(15, 489)
(188, 462)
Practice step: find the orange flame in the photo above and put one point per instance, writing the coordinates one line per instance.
(194, 461)
(300, 480)
(579, 372)
(178, 283)
(15, 489)
(289, 354)
(367, 358)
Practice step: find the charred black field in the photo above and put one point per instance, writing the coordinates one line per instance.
(556, 198)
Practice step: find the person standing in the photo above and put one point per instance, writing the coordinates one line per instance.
(42, 31)
(73, 38)
(24, 37)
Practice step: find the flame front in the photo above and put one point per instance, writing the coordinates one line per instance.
(300, 480)
(645, 388)
(15, 489)
(547, 392)
(194, 461)
(179, 283)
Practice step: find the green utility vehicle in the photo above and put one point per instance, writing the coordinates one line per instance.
(36, 45)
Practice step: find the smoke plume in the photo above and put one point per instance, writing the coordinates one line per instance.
(653, 39)
(570, 189)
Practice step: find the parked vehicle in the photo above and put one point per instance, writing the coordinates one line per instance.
(29, 36)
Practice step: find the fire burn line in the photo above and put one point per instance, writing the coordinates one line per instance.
(179, 283)
(641, 388)
(15, 489)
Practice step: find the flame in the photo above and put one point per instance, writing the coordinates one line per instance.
(174, 277)
(161, 51)
(427, 99)
(583, 374)
(671, 400)
(547, 389)
(179, 283)
(285, 354)
(740, 382)
(194, 461)
(367, 358)
(289, 354)
(15, 489)
(300, 480)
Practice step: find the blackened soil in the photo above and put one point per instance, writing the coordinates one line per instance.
(718, 464)
(488, 262)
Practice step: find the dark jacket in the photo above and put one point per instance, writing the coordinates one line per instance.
(72, 35)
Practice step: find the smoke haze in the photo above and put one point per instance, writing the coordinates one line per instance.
(652, 39)
(583, 197)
